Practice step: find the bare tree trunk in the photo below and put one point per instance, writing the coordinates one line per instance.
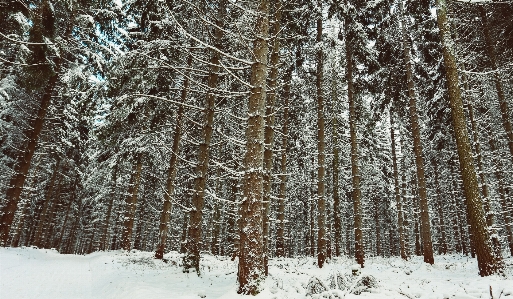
(336, 172)
(417, 145)
(269, 127)
(46, 205)
(400, 226)
(131, 204)
(503, 103)
(251, 257)
(280, 223)
(356, 193)
(165, 215)
(113, 188)
(321, 146)
(23, 160)
(191, 260)
(488, 263)
(443, 241)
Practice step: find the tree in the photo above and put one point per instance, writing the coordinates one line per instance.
(488, 263)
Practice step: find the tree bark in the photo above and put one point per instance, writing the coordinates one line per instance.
(417, 146)
(400, 226)
(488, 263)
(443, 240)
(113, 187)
(280, 223)
(48, 198)
(503, 103)
(198, 198)
(269, 126)
(23, 160)
(336, 173)
(321, 146)
(131, 203)
(165, 215)
(356, 192)
(251, 263)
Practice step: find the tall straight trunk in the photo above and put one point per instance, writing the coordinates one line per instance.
(356, 193)
(311, 202)
(66, 217)
(376, 225)
(489, 213)
(503, 103)
(336, 173)
(417, 147)
(251, 257)
(46, 205)
(442, 249)
(131, 203)
(462, 220)
(400, 225)
(183, 239)
(407, 204)
(488, 263)
(269, 126)
(25, 207)
(216, 218)
(165, 215)
(113, 188)
(502, 197)
(280, 223)
(192, 258)
(23, 160)
(321, 146)
(47, 228)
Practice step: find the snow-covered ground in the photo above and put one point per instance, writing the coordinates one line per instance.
(39, 273)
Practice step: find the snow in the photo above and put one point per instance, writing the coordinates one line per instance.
(40, 273)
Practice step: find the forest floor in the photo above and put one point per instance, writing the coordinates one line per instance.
(39, 273)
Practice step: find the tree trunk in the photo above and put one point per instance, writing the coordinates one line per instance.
(503, 103)
(23, 160)
(251, 254)
(165, 215)
(443, 240)
(198, 198)
(280, 223)
(269, 126)
(417, 146)
(105, 234)
(356, 193)
(42, 220)
(488, 263)
(321, 167)
(400, 226)
(131, 204)
(336, 173)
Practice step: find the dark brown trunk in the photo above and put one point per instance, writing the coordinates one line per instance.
(198, 197)
(335, 169)
(131, 204)
(280, 223)
(269, 126)
(503, 103)
(488, 263)
(400, 226)
(321, 146)
(251, 257)
(22, 164)
(442, 246)
(356, 192)
(165, 215)
(46, 204)
(112, 196)
(417, 147)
